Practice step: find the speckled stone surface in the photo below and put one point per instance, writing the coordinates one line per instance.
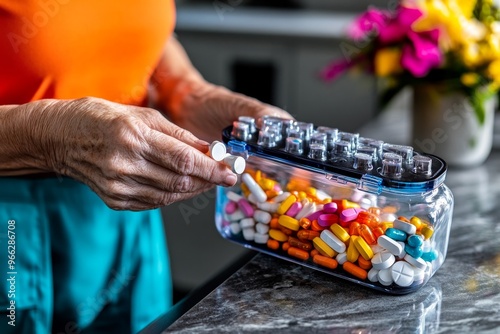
(269, 295)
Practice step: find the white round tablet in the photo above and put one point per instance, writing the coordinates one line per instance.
(217, 150)
(373, 275)
(402, 273)
(385, 276)
(383, 260)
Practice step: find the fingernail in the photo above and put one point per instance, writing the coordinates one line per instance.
(230, 180)
(202, 142)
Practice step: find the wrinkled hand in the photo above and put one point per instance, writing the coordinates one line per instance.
(132, 157)
(206, 109)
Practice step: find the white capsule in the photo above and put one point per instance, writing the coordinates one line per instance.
(236, 216)
(262, 228)
(254, 187)
(281, 197)
(247, 222)
(403, 252)
(306, 210)
(373, 275)
(248, 234)
(236, 163)
(251, 198)
(402, 273)
(262, 216)
(235, 228)
(390, 244)
(387, 217)
(410, 229)
(268, 206)
(321, 195)
(341, 258)
(217, 150)
(231, 195)
(418, 263)
(261, 238)
(331, 240)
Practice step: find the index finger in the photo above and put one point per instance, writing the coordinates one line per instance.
(183, 159)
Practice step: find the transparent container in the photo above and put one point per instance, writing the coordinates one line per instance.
(381, 220)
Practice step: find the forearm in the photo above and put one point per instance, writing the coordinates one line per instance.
(18, 153)
(174, 77)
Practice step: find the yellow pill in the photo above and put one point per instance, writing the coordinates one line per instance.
(266, 184)
(258, 176)
(278, 235)
(352, 251)
(363, 248)
(349, 205)
(323, 248)
(339, 232)
(327, 200)
(302, 195)
(386, 225)
(311, 191)
(417, 222)
(286, 204)
(289, 222)
(427, 232)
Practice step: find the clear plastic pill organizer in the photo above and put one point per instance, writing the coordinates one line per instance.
(370, 212)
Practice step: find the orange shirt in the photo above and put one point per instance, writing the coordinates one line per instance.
(68, 49)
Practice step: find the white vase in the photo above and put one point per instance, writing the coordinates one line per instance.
(445, 124)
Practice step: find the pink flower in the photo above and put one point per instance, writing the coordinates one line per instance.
(397, 28)
(422, 54)
(370, 21)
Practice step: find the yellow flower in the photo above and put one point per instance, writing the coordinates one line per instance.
(469, 79)
(387, 62)
(493, 71)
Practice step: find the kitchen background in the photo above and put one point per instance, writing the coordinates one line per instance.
(272, 50)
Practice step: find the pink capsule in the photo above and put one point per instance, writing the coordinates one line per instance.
(315, 215)
(327, 219)
(294, 209)
(246, 207)
(348, 215)
(231, 207)
(330, 207)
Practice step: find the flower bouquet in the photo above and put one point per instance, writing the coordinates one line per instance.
(452, 42)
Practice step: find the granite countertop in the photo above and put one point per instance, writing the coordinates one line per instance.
(268, 295)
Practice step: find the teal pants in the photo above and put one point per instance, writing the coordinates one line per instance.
(69, 264)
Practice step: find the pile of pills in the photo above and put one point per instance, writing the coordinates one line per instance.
(366, 242)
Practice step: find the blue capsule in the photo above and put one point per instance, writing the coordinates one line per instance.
(430, 255)
(395, 234)
(415, 241)
(415, 252)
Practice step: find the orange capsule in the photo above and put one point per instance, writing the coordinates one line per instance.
(364, 264)
(376, 211)
(314, 252)
(402, 218)
(325, 261)
(273, 244)
(285, 230)
(271, 193)
(274, 223)
(307, 234)
(355, 270)
(305, 245)
(354, 228)
(365, 217)
(367, 234)
(389, 209)
(285, 246)
(305, 223)
(377, 232)
(298, 253)
(316, 227)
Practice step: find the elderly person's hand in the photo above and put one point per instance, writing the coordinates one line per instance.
(132, 157)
